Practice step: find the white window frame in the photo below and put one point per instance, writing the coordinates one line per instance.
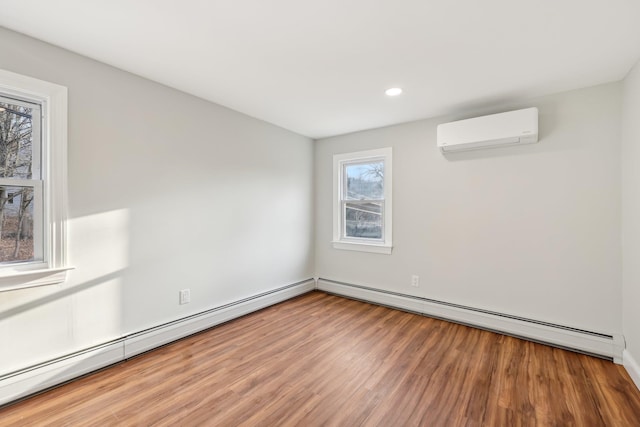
(53, 101)
(381, 246)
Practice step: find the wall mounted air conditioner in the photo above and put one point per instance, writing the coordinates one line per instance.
(497, 130)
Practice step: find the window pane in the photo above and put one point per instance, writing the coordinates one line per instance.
(365, 181)
(16, 141)
(363, 220)
(16, 224)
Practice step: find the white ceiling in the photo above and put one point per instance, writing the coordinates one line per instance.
(320, 67)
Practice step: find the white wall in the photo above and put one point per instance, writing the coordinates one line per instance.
(532, 231)
(631, 214)
(166, 191)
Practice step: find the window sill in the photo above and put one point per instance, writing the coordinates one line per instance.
(363, 247)
(10, 281)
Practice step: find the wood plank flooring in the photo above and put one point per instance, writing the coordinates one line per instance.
(324, 360)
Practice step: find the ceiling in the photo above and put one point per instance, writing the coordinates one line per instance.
(320, 68)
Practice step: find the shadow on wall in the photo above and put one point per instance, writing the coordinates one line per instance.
(48, 322)
(36, 303)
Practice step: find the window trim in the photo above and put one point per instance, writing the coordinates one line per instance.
(383, 246)
(53, 101)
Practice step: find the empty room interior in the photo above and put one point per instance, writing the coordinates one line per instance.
(320, 213)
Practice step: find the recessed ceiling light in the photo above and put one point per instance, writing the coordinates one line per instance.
(394, 91)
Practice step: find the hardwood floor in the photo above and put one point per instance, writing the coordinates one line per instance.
(325, 360)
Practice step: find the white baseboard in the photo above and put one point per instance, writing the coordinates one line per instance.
(632, 367)
(403, 302)
(610, 346)
(56, 372)
(155, 337)
(45, 375)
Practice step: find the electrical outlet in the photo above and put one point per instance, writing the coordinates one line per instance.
(185, 296)
(415, 281)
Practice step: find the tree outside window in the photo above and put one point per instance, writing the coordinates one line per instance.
(17, 181)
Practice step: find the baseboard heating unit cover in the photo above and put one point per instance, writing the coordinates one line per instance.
(592, 343)
(33, 379)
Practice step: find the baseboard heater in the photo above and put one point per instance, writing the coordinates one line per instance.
(608, 346)
(28, 381)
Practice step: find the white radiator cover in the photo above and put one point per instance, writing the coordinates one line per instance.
(597, 344)
(45, 375)
(37, 378)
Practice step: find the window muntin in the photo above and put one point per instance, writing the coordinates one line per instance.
(362, 205)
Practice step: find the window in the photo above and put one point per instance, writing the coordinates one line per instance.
(20, 182)
(362, 201)
(32, 182)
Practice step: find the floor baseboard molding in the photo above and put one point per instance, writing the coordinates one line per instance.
(155, 337)
(632, 367)
(597, 344)
(59, 371)
(37, 378)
